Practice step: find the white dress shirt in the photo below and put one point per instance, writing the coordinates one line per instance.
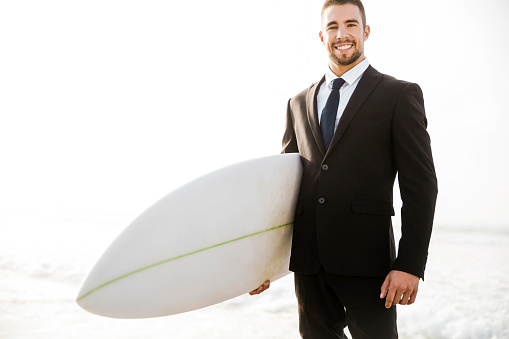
(351, 78)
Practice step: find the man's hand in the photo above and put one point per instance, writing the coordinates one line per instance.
(399, 288)
(261, 288)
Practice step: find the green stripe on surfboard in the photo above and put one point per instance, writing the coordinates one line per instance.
(178, 257)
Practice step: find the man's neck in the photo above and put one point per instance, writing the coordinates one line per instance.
(339, 70)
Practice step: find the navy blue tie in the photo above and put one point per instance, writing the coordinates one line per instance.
(328, 118)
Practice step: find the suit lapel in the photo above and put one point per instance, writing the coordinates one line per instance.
(366, 85)
(312, 113)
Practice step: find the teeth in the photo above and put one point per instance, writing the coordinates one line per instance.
(344, 47)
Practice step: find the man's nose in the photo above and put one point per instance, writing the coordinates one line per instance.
(342, 33)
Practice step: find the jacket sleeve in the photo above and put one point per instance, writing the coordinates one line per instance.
(417, 180)
(289, 139)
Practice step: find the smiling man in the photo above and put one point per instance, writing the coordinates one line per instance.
(355, 129)
(347, 51)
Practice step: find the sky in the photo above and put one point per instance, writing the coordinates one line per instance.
(106, 106)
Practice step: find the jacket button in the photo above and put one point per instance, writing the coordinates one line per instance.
(321, 200)
(325, 167)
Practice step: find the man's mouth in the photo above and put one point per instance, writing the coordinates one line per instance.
(343, 47)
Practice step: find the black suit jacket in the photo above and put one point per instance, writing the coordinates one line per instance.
(345, 204)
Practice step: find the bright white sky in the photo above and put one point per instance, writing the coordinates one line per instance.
(106, 106)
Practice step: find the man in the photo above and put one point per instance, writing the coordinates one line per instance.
(354, 134)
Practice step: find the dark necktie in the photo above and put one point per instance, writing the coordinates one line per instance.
(329, 112)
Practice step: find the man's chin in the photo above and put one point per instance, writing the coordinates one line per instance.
(345, 60)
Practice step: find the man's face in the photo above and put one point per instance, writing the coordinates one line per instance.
(343, 34)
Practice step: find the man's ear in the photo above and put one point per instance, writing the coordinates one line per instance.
(367, 31)
(320, 34)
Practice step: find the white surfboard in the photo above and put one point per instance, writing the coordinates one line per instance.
(216, 238)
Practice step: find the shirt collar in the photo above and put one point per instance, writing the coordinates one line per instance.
(351, 76)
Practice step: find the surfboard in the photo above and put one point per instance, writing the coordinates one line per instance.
(213, 239)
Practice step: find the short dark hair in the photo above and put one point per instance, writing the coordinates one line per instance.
(357, 3)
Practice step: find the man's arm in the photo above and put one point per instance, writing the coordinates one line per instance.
(417, 180)
(418, 188)
(289, 139)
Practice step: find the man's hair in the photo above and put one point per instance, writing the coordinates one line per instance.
(357, 3)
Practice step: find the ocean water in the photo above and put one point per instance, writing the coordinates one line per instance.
(44, 259)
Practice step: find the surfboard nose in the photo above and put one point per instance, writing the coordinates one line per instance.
(235, 222)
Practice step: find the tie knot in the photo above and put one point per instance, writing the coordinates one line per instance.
(337, 83)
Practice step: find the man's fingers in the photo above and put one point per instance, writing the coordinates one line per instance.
(412, 298)
(400, 296)
(257, 291)
(260, 289)
(405, 299)
(384, 288)
(390, 298)
(397, 296)
(399, 288)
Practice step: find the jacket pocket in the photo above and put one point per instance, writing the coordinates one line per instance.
(373, 207)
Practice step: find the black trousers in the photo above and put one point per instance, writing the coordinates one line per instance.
(328, 303)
